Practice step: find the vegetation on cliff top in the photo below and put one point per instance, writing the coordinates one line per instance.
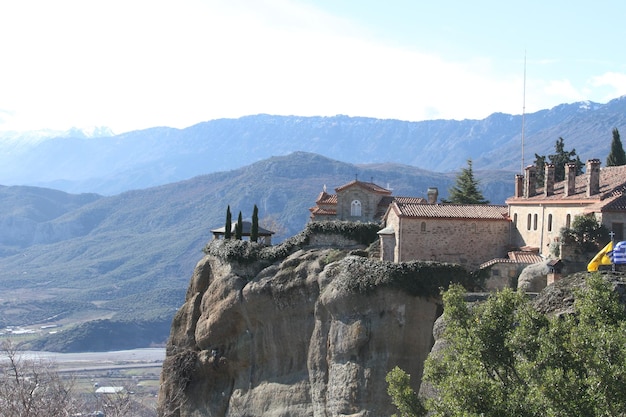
(417, 278)
(246, 252)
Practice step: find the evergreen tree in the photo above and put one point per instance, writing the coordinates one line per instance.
(559, 159)
(466, 189)
(616, 156)
(229, 223)
(254, 230)
(239, 228)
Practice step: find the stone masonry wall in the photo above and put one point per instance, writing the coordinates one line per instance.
(468, 243)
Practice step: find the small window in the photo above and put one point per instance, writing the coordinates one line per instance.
(549, 222)
(568, 220)
(515, 219)
(355, 208)
(423, 227)
(535, 222)
(528, 222)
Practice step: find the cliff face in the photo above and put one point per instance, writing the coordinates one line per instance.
(290, 339)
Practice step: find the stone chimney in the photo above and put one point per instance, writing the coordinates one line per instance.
(433, 194)
(530, 181)
(593, 177)
(548, 189)
(519, 185)
(570, 179)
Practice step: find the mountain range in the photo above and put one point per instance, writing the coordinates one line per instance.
(68, 259)
(101, 231)
(98, 161)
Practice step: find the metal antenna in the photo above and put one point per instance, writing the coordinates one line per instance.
(523, 113)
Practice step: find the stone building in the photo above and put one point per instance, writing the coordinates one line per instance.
(463, 234)
(502, 238)
(264, 235)
(539, 214)
(356, 201)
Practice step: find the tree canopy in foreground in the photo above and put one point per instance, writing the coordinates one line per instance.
(504, 358)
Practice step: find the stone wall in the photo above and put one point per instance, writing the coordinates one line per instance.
(331, 240)
(369, 204)
(466, 242)
(540, 226)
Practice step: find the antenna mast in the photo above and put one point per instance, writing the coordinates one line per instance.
(523, 113)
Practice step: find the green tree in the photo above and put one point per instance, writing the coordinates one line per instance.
(616, 156)
(239, 227)
(559, 159)
(586, 233)
(466, 189)
(502, 357)
(402, 395)
(229, 224)
(254, 229)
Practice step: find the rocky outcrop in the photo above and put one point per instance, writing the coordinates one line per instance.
(292, 338)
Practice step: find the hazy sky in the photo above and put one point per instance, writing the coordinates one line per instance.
(133, 64)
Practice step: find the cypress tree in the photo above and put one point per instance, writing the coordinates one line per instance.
(558, 159)
(616, 156)
(239, 228)
(254, 230)
(229, 223)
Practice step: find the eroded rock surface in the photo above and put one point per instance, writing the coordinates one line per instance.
(290, 340)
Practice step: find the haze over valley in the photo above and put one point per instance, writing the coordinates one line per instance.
(103, 230)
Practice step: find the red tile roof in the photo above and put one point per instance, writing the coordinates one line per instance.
(322, 211)
(525, 257)
(451, 211)
(325, 198)
(518, 257)
(370, 186)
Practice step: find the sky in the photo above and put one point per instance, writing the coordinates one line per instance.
(135, 64)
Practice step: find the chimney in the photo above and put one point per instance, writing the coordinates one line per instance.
(570, 179)
(433, 194)
(530, 181)
(548, 189)
(519, 185)
(593, 177)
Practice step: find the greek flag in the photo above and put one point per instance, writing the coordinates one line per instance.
(618, 254)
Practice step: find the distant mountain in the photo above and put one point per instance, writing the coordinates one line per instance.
(66, 259)
(141, 159)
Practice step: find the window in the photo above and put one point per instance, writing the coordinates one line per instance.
(515, 219)
(549, 222)
(535, 222)
(568, 220)
(528, 222)
(423, 227)
(355, 208)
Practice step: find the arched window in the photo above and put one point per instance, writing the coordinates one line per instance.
(423, 227)
(535, 222)
(568, 219)
(528, 222)
(515, 219)
(549, 222)
(355, 208)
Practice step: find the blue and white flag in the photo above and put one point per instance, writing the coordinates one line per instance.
(618, 254)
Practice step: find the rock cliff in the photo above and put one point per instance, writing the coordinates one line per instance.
(311, 334)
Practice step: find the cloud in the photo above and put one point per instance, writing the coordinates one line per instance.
(614, 82)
